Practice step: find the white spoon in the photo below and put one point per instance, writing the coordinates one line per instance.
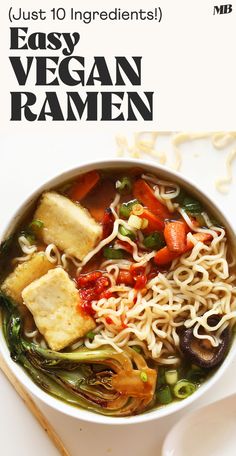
(208, 431)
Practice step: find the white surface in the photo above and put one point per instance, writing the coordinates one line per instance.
(25, 163)
(207, 422)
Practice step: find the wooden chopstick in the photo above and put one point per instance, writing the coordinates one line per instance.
(33, 408)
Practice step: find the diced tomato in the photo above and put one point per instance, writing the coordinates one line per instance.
(109, 321)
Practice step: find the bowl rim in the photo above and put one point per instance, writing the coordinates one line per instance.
(19, 372)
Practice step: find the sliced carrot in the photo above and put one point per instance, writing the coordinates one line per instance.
(165, 256)
(143, 193)
(154, 223)
(84, 185)
(97, 212)
(201, 237)
(175, 234)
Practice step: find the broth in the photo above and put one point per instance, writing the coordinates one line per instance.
(117, 293)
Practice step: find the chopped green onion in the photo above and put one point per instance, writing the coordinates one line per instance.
(154, 240)
(126, 208)
(90, 335)
(124, 185)
(137, 209)
(137, 348)
(171, 376)
(143, 376)
(196, 374)
(113, 254)
(125, 232)
(135, 222)
(161, 377)
(164, 395)
(144, 224)
(36, 224)
(183, 389)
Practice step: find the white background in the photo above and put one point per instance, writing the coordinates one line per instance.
(25, 163)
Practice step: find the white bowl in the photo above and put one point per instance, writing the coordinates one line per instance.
(79, 412)
(207, 431)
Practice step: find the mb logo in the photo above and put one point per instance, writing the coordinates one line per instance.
(222, 9)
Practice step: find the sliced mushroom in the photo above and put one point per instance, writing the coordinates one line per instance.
(200, 351)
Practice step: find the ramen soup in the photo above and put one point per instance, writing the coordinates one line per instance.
(118, 295)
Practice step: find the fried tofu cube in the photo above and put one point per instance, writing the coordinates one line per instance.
(54, 303)
(24, 274)
(67, 225)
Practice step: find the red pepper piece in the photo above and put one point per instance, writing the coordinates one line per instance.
(107, 223)
(85, 280)
(126, 246)
(126, 278)
(139, 276)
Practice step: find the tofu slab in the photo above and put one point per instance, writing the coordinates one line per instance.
(54, 301)
(67, 225)
(24, 274)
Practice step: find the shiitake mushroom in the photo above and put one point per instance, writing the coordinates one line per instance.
(200, 351)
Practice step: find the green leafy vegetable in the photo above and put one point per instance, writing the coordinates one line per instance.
(188, 203)
(137, 348)
(192, 206)
(154, 240)
(5, 245)
(94, 379)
